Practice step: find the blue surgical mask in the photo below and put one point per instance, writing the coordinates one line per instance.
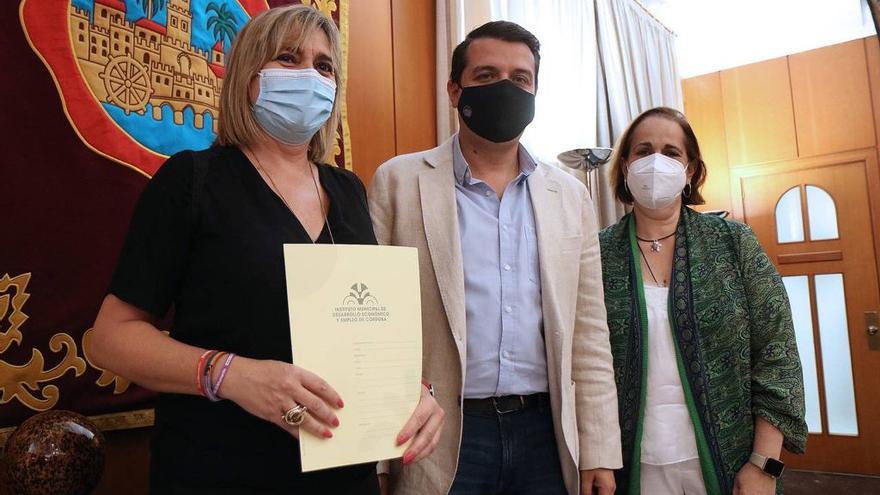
(293, 104)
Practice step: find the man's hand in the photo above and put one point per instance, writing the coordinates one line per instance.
(424, 425)
(599, 481)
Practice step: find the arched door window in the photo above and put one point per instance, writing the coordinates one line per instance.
(821, 215)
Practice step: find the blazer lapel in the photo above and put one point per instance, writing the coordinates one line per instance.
(545, 195)
(440, 219)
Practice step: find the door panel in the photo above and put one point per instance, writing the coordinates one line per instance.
(758, 112)
(815, 224)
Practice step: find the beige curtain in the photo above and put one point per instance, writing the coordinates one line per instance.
(637, 71)
(455, 18)
(565, 105)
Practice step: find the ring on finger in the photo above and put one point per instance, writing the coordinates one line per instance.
(295, 415)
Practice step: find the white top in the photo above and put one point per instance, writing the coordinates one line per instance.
(668, 435)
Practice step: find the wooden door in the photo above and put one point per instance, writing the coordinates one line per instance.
(814, 219)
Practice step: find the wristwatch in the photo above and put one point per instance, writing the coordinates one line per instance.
(771, 467)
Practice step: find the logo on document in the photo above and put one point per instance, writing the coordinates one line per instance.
(359, 306)
(359, 295)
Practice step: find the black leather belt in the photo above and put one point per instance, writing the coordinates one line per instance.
(493, 406)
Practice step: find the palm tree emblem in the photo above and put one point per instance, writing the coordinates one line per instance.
(151, 7)
(221, 23)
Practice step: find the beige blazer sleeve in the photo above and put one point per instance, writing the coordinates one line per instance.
(381, 209)
(380, 212)
(592, 366)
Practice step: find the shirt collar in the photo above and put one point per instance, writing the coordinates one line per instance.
(462, 169)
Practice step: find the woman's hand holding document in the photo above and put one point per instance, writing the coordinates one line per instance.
(355, 320)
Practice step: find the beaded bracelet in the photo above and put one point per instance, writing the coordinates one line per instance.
(216, 389)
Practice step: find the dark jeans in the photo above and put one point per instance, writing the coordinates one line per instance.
(509, 454)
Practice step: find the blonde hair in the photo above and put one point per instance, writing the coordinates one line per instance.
(263, 38)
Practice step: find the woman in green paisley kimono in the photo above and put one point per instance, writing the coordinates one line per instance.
(707, 369)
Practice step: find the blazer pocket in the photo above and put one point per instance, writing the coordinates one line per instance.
(570, 243)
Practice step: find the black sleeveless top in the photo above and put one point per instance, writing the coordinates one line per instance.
(206, 238)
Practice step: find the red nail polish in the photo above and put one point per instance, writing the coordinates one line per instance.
(340, 403)
(407, 458)
(328, 434)
(401, 439)
(335, 421)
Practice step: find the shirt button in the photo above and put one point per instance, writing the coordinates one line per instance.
(505, 354)
(507, 268)
(507, 309)
(488, 193)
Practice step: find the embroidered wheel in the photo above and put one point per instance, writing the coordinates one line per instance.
(127, 83)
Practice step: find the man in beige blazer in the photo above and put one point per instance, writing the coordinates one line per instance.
(515, 339)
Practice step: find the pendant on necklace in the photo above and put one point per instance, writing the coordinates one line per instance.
(655, 246)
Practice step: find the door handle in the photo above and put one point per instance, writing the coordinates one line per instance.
(872, 327)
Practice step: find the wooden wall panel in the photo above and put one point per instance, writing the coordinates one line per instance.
(758, 114)
(704, 109)
(832, 99)
(391, 72)
(872, 54)
(415, 69)
(370, 85)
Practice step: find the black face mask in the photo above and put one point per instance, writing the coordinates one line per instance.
(498, 112)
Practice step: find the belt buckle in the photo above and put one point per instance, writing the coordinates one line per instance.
(522, 404)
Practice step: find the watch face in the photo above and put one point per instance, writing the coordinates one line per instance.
(774, 467)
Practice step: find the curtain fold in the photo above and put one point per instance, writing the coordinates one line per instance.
(447, 21)
(637, 70)
(566, 101)
(455, 18)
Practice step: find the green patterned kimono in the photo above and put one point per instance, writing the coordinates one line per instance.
(735, 343)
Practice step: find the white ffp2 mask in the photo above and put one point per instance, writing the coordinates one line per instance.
(656, 180)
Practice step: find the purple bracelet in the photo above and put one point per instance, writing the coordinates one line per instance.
(216, 387)
(206, 376)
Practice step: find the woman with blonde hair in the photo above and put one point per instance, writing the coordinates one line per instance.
(707, 369)
(206, 237)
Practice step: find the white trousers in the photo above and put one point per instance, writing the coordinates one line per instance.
(680, 478)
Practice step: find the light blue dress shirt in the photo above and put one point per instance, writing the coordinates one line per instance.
(502, 281)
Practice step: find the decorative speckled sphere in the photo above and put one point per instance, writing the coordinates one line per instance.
(54, 453)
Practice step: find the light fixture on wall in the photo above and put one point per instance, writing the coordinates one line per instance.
(586, 159)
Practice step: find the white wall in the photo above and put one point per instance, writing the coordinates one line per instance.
(720, 34)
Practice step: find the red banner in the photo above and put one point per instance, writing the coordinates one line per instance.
(97, 94)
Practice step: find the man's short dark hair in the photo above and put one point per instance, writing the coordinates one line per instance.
(499, 30)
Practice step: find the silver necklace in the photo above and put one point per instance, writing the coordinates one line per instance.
(655, 243)
(277, 191)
